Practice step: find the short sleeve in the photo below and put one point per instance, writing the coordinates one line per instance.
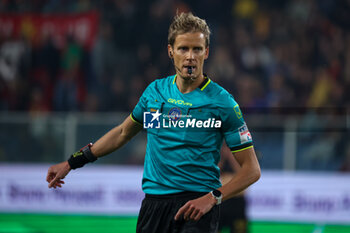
(141, 106)
(234, 128)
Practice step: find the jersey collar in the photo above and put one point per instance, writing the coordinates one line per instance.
(202, 86)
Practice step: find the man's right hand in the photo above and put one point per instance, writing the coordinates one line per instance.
(56, 174)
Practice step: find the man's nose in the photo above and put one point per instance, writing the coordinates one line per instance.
(190, 54)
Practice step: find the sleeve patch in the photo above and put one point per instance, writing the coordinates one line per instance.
(237, 111)
(244, 134)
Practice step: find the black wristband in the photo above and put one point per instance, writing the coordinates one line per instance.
(81, 157)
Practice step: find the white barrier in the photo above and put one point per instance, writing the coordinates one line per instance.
(92, 189)
(301, 196)
(116, 190)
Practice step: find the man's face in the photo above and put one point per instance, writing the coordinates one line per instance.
(189, 51)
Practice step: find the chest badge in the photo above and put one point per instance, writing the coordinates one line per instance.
(174, 114)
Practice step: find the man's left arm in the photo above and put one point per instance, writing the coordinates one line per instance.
(239, 140)
(247, 175)
(244, 177)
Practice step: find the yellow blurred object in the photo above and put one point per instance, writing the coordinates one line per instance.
(245, 8)
(262, 25)
(27, 28)
(321, 91)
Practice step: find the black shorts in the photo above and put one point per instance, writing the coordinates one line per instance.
(233, 215)
(158, 211)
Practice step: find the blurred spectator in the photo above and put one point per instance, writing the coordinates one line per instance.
(105, 56)
(46, 56)
(345, 166)
(279, 93)
(222, 66)
(117, 95)
(72, 54)
(38, 103)
(69, 92)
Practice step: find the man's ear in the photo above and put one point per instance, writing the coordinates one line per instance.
(170, 51)
(206, 53)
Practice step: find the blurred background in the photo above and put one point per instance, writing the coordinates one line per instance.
(72, 70)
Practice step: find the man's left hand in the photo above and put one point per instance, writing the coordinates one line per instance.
(195, 209)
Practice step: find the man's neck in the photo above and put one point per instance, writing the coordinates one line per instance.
(188, 85)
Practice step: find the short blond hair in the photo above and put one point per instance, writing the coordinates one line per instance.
(187, 22)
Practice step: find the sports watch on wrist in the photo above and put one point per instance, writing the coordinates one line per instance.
(217, 195)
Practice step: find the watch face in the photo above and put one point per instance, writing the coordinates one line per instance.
(216, 193)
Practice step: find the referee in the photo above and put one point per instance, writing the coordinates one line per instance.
(187, 116)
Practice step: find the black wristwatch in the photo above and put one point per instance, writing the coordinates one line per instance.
(217, 195)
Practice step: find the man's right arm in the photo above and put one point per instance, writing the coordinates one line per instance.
(111, 141)
(116, 138)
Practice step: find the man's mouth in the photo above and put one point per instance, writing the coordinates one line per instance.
(190, 69)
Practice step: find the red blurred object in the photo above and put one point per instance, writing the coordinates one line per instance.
(83, 27)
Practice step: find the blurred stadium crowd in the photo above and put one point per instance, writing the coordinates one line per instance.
(268, 54)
